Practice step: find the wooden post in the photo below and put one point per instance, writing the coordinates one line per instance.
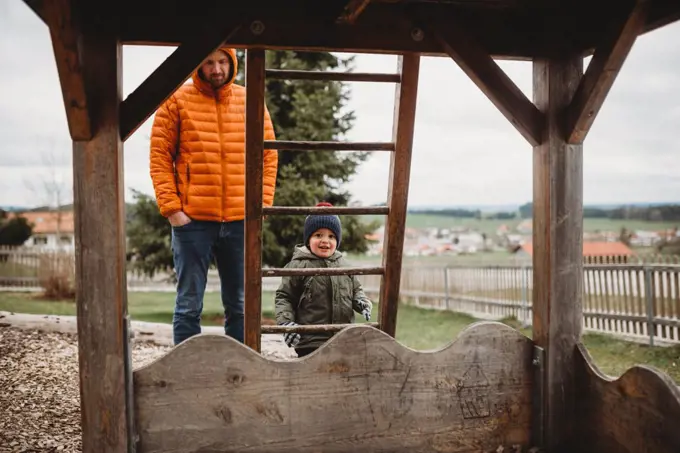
(397, 195)
(255, 77)
(558, 246)
(101, 292)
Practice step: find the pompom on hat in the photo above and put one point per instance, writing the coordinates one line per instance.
(314, 222)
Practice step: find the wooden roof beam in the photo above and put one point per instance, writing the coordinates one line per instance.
(488, 76)
(352, 11)
(170, 75)
(607, 61)
(65, 36)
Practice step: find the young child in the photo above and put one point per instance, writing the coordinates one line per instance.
(318, 299)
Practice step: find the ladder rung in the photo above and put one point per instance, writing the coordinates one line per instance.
(285, 74)
(339, 210)
(328, 146)
(312, 328)
(289, 272)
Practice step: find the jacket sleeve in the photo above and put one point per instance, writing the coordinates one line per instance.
(287, 297)
(164, 138)
(359, 295)
(271, 158)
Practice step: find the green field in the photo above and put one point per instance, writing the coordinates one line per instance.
(417, 328)
(488, 226)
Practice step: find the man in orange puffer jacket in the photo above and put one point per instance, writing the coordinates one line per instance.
(198, 173)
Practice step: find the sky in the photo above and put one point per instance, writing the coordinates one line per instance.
(465, 152)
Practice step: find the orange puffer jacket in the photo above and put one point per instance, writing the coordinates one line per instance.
(206, 179)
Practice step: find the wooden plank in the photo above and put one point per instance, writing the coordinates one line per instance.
(628, 415)
(297, 145)
(484, 72)
(353, 10)
(255, 62)
(170, 75)
(361, 391)
(65, 37)
(283, 74)
(287, 272)
(383, 28)
(601, 74)
(101, 290)
(397, 195)
(339, 210)
(316, 328)
(558, 246)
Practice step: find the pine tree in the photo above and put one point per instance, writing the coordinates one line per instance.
(309, 111)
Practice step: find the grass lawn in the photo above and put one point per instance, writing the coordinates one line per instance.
(417, 328)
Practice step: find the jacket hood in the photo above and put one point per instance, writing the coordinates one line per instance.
(205, 86)
(303, 253)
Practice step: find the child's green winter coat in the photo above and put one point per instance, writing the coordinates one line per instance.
(319, 299)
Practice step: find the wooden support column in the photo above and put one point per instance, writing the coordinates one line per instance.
(397, 195)
(255, 78)
(558, 246)
(103, 347)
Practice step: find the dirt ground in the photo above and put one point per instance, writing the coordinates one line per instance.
(39, 391)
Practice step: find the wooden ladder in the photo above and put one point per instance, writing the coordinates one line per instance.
(406, 80)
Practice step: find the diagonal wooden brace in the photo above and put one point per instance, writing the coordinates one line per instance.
(170, 75)
(487, 75)
(352, 11)
(601, 73)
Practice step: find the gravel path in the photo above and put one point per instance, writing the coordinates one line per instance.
(39, 391)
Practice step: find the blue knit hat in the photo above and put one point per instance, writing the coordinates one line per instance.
(316, 221)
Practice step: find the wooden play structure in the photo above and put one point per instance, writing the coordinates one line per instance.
(362, 391)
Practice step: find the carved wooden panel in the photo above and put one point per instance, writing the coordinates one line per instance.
(362, 391)
(638, 412)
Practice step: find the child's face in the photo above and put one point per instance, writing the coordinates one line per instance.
(323, 243)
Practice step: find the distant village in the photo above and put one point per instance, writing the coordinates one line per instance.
(518, 239)
(51, 232)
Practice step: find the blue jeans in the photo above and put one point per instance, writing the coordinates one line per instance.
(193, 246)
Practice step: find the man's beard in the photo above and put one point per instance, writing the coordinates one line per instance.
(218, 82)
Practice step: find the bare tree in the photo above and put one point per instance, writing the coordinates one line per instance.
(52, 186)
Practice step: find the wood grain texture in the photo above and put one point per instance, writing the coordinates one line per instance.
(403, 131)
(65, 36)
(517, 32)
(101, 290)
(361, 391)
(295, 145)
(255, 61)
(602, 72)
(637, 413)
(558, 246)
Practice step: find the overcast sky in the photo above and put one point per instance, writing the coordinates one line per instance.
(465, 151)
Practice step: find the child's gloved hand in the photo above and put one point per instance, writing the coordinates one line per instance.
(291, 338)
(366, 307)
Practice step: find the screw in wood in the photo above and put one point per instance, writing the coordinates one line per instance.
(417, 34)
(257, 27)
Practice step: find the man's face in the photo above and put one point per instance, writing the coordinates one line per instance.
(215, 68)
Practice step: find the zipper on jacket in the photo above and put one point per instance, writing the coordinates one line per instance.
(186, 191)
(222, 157)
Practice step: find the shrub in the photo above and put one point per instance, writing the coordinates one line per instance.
(56, 274)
